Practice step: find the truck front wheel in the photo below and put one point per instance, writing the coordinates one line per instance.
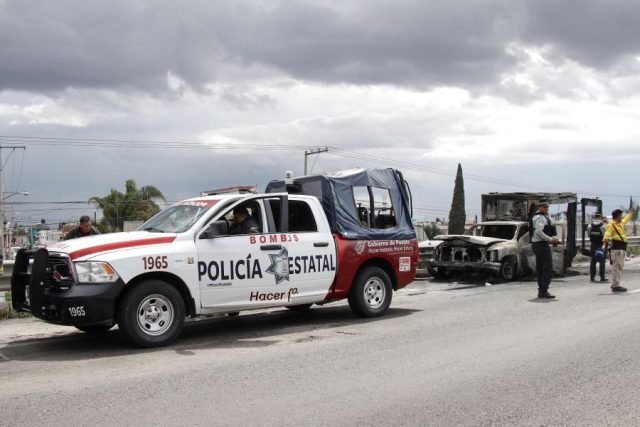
(437, 272)
(151, 314)
(508, 269)
(371, 292)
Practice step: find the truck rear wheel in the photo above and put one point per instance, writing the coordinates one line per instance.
(371, 292)
(151, 314)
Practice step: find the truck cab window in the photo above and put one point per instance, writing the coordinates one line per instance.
(374, 207)
(301, 218)
(245, 219)
(363, 205)
(523, 231)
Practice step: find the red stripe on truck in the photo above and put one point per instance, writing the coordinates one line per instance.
(120, 245)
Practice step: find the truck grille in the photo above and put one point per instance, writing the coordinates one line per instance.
(59, 274)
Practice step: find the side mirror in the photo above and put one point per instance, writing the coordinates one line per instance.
(216, 228)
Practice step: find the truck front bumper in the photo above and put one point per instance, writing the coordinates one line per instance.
(76, 304)
(491, 267)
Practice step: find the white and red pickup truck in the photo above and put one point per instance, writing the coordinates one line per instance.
(322, 238)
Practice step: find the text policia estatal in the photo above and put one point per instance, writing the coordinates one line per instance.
(250, 268)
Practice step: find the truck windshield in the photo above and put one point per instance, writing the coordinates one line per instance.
(498, 231)
(177, 218)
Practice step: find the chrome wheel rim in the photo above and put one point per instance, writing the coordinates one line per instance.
(155, 315)
(374, 292)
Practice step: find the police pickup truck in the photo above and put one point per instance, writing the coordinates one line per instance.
(317, 239)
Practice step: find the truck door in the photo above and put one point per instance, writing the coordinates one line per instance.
(230, 266)
(558, 252)
(302, 235)
(558, 255)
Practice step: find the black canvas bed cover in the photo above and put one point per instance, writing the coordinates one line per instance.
(335, 192)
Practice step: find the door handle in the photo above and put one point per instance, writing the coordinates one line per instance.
(321, 244)
(270, 247)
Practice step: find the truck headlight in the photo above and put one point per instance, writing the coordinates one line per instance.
(95, 272)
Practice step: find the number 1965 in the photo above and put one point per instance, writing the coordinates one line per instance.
(155, 263)
(77, 311)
